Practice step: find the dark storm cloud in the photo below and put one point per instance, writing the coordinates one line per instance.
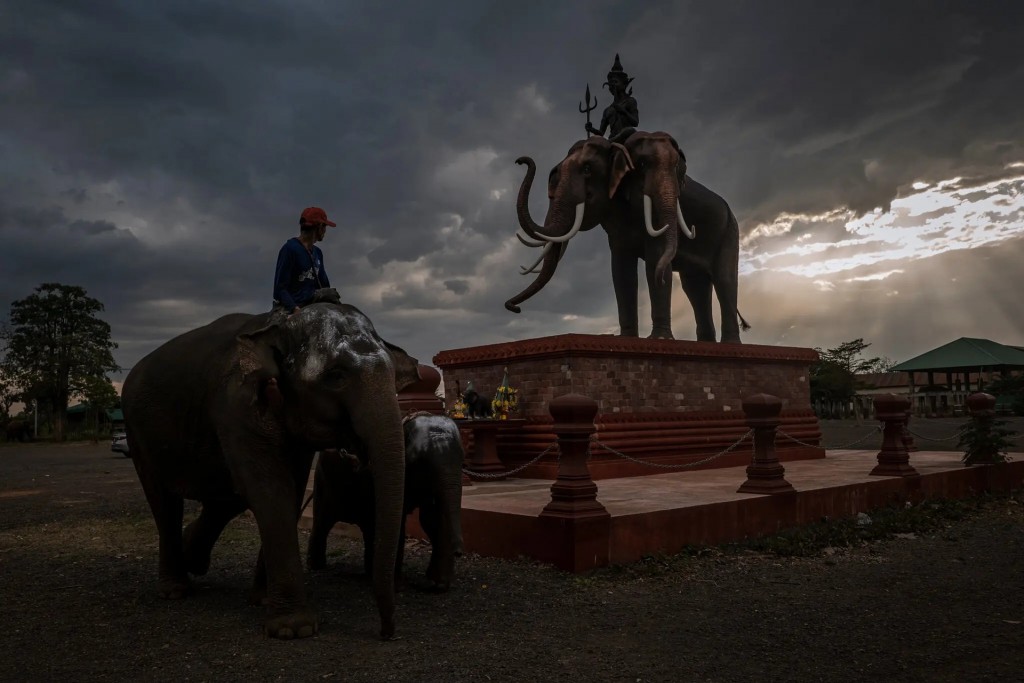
(159, 153)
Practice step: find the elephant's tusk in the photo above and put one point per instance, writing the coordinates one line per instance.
(682, 224)
(647, 218)
(533, 269)
(528, 242)
(575, 228)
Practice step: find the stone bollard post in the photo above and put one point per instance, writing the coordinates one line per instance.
(893, 459)
(576, 526)
(765, 474)
(982, 409)
(422, 394)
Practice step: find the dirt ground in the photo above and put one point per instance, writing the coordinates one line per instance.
(78, 602)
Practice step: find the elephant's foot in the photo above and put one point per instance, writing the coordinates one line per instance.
(174, 587)
(438, 581)
(301, 624)
(197, 559)
(316, 561)
(660, 333)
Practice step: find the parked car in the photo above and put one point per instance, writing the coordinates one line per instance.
(120, 444)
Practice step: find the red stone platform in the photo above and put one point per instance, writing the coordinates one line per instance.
(659, 400)
(666, 513)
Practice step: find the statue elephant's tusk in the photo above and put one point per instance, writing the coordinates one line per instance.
(682, 224)
(647, 218)
(528, 242)
(533, 269)
(568, 236)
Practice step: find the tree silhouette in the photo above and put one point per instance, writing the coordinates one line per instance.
(56, 347)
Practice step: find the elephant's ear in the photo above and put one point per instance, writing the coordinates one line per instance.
(621, 165)
(406, 367)
(681, 168)
(257, 363)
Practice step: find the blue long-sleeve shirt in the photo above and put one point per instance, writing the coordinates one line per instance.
(298, 274)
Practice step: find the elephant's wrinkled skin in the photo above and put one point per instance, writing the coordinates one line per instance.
(618, 187)
(230, 414)
(343, 492)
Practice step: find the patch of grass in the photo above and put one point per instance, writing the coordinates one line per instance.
(809, 540)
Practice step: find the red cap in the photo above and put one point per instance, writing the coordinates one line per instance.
(316, 215)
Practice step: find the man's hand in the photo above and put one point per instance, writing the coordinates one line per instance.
(294, 311)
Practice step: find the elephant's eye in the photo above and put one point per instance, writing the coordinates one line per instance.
(334, 376)
(586, 169)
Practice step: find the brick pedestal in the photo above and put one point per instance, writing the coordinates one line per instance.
(663, 401)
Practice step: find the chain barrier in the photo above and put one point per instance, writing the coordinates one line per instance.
(944, 438)
(672, 467)
(859, 439)
(502, 475)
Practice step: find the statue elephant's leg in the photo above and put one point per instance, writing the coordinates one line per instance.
(168, 512)
(661, 302)
(726, 269)
(202, 533)
(624, 281)
(697, 287)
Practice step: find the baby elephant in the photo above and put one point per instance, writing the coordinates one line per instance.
(343, 492)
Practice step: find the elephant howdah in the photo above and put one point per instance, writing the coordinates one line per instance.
(230, 414)
(639, 192)
(343, 492)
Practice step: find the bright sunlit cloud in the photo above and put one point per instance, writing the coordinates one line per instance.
(949, 215)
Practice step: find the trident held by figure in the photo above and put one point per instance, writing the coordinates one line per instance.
(589, 108)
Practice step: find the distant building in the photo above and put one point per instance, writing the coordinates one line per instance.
(939, 381)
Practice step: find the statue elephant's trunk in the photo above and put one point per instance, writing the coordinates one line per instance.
(377, 420)
(523, 200)
(557, 211)
(668, 211)
(551, 257)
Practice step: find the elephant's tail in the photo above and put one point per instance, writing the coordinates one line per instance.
(744, 325)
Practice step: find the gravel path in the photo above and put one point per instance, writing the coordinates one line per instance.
(78, 602)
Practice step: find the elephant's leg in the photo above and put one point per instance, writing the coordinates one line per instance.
(697, 287)
(270, 488)
(324, 518)
(202, 533)
(726, 278)
(624, 281)
(661, 302)
(441, 518)
(168, 512)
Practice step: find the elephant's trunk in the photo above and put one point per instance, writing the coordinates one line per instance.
(523, 200)
(378, 422)
(551, 258)
(667, 205)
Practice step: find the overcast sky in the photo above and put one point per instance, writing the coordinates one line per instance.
(159, 154)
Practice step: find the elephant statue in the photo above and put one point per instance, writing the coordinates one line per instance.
(477, 406)
(231, 414)
(629, 188)
(343, 492)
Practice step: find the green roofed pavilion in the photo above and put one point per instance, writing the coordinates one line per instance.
(966, 354)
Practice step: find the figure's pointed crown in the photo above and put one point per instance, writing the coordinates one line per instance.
(617, 70)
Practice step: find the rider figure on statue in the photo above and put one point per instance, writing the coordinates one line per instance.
(620, 117)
